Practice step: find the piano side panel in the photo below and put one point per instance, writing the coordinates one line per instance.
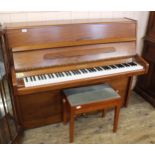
(44, 108)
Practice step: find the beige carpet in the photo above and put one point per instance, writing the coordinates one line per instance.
(136, 125)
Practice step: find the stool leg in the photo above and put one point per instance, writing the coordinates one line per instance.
(116, 117)
(103, 113)
(64, 112)
(71, 127)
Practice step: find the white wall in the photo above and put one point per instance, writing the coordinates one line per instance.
(140, 16)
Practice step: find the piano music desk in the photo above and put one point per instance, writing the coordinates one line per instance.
(88, 99)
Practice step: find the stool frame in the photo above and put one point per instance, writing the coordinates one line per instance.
(89, 107)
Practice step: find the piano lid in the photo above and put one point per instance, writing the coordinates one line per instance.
(19, 25)
(72, 33)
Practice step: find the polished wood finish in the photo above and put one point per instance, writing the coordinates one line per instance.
(71, 34)
(145, 85)
(77, 55)
(49, 105)
(20, 25)
(39, 48)
(89, 107)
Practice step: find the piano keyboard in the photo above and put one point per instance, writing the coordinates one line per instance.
(80, 74)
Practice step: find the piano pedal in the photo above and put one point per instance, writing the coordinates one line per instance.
(84, 115)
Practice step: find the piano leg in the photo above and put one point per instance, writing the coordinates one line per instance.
(128, 91)
(103, 113)
(71, 128)
(116, 116)
(64, 112)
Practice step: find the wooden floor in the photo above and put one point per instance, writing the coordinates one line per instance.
(136, 125)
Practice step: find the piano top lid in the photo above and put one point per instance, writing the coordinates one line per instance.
(18, 25)
(52, 34)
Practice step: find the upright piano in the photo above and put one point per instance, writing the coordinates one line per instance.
(47, 57)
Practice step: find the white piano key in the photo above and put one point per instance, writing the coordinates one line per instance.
(73, 76)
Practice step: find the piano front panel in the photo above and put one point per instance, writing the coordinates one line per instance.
(41, 108)
(71, 55)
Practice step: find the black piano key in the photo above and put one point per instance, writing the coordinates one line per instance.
(66, 73)
(62, 74)
(132, 64)
(73, 71)
(119, 65)
(69, 73)
(49, 76)
(93, 69)
(31, 78)
(44, 77)
(85, 70)
(88, 70)
(52, 75)
(34, 78)
(57, 75)
(26, 79)
(99, 68)
(78, 72)
(126, 65)
(82, 71)
(113, 67)
(39, 77)
(106, 67)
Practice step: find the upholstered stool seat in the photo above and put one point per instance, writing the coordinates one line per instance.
(87, 99)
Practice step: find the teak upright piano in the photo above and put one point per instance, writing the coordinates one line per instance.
(46, 57)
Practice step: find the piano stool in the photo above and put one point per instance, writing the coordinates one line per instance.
(81, 100)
